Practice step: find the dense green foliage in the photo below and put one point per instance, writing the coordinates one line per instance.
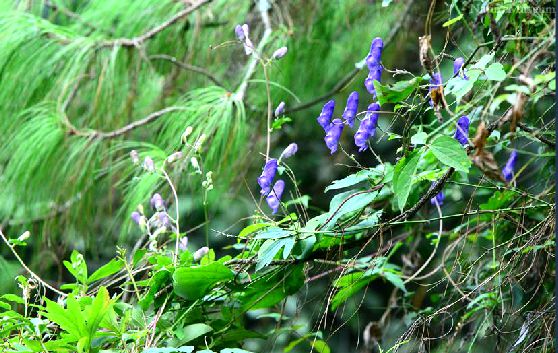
(106, 103)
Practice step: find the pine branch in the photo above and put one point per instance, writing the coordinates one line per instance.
(189, 67)
(137, 41)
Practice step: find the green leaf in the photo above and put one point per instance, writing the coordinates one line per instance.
(352, 179)
(183, 349)
(273, 233)
(452, 21)
(106, 270)
(252, 228)
(397, 92)
(321, 347)
(450, 152)
(395, 280)
(194, 282)
(270, 248)
(345, 203)
(419, 138)
(405, 170)
(191, 332)
(495, 72)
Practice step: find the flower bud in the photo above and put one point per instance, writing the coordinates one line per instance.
(199, 142)
(279, 53)
(239, 32)
(157, 202)
(136, 216)
(200, 253)
(186, 133)
(280, 109)
(462, 130)
(274, 197)
(148, 164)
(24, 236)
(333, 135)
(134, 156)
(289, 151)
(374, 56)
(195, 165)
(174, 157)
(325, 116)
(183, 243)
(458, 68)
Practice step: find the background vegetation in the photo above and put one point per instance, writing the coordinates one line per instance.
(358, 258)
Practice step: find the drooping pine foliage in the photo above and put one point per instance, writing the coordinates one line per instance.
(438, 235)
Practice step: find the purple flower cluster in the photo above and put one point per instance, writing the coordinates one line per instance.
(458, 68)
(274, 197)
(374, 67)
(462, 130)
(509, 169)
(367, 128)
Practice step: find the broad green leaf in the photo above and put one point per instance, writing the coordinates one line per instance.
(452, 21)
(367, 223)
(405, 170)
(252, 228)
(194, 282)
(395, 280)
(191, 332)
(397, 92)
(321, 346)
(270, 248)
(419, 138)
(346, 292)
(106, 270)
(450, 152)
(352, 179)
(272, 233)
(495, 72)
(350, 202)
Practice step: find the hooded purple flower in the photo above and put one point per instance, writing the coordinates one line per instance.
(239, 32)
(435, 83)
(509, 169)
(289, 151)
(148, 164)
(267, 176)
(134, 156)
(457, 68)
(325, 116)
(183, 243)
(136, 217)
(367, 128)
(375, 54)
(274, 197)
(462, 130)
(373, 75)
(157, 202)
(200, 253)
(351, 109)
(333, 135)
(164, 220)
(439, 198)
(280, 109)
(279, 53)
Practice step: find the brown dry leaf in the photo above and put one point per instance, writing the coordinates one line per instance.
(487, 164)
(425, 49)
(479, 141)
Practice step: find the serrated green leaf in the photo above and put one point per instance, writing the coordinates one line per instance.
(450, 152)
(397, 92)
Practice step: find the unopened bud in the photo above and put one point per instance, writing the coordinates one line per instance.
(186, 133)
(24, 236)
(174, 157)
(134, 156)
(200, 253)
(195, 164)
(148, 164)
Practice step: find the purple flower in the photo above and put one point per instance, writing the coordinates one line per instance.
(458, 68)
(279, 53)
(367, 128)
(239, 31)
(508, 170)
(134, 156)
(266, 178)
(136, 217)
(462, 130)
(439, 198)
(183, 243)
(289, 151)
(333, 135)
(374, 56)
(351, 109)
(148, 164)
(373, 75)
(274, 197)
(325, 116)
(280, 109)
(164, 220)
(157, 202)
(200, 253)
